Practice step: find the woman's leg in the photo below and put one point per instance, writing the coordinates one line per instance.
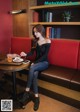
(39, 67)
(35, 83)
(32, 76)
(32, 79)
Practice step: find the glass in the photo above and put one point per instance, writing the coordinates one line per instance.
(9, 57)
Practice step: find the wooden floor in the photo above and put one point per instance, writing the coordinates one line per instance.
(48, 105)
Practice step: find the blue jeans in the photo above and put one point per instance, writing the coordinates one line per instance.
(33, 74)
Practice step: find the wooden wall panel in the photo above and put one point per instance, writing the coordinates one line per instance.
(20, 21)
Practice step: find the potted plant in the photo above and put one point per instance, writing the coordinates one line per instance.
(67, 16)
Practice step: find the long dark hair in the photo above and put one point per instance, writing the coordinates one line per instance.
(40, 29)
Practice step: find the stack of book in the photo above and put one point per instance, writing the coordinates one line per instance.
(52, 32)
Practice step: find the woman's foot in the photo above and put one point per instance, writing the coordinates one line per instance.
(36, 103)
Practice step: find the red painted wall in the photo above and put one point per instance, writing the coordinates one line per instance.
(5, 25)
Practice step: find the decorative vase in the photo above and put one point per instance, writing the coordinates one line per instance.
(66, 19)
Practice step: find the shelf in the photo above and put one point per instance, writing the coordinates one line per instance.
(72, 27)
(55, 6)
(56, 23)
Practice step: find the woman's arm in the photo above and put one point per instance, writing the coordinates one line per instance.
(28, 54)
(31, 52)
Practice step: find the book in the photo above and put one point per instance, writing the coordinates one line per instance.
(58, 32)
(35, 17)
(53, 32)
(48, 35)
(50, 32)
(50, 16)
(43, 16)
(47, 17)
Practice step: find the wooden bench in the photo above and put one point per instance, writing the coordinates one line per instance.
(62, 79)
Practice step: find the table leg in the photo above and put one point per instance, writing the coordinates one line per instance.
(15, 90)
(14, 85)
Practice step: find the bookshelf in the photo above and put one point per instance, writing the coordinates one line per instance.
(69, 30)
(55, 23)
(54, 6)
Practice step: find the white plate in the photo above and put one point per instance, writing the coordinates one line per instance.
(18, 60)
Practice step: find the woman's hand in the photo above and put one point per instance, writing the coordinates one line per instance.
(23, 54)
(32, 64)
(15, 55)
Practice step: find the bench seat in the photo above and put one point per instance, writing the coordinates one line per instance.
(58, 75)
(75, 82)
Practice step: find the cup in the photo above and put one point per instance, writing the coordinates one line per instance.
(9, 57)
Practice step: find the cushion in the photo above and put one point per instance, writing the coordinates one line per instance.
(64, 52)
(19, 44)
(79, 58)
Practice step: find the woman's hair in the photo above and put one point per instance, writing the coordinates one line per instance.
(39, 29)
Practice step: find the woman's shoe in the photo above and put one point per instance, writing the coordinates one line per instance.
(36, 103)
(25, 98)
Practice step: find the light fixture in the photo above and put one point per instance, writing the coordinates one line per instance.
(17, 11)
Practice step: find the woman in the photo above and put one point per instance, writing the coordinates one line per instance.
(40, 63)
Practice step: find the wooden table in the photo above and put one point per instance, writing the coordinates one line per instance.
(13, 68)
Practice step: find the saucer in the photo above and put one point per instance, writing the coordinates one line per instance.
(18, 60)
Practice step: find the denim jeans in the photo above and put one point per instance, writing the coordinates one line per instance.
(33, 74)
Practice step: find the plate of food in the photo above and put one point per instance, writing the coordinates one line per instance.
(18, 59)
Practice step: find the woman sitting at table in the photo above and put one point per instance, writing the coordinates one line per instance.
(41, 63)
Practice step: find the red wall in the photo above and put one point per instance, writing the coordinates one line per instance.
(5, 25)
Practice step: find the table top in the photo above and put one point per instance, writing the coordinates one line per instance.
(12, 67)
(5, 62)
(2, 56)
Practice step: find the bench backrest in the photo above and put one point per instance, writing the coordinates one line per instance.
(79, 57)
(64, 52)
(19, 44)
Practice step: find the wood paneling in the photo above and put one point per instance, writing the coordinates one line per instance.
(20, 21)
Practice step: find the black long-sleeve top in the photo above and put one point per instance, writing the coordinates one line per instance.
(41, 52)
